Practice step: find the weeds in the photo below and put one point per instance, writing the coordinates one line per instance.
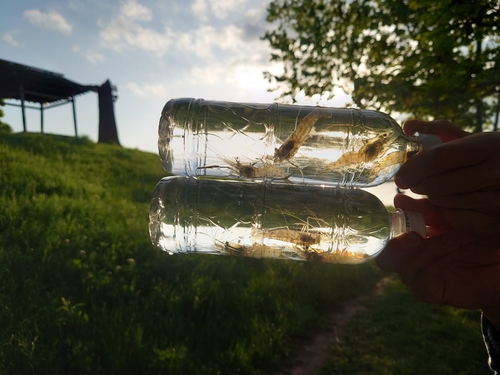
(82, 290)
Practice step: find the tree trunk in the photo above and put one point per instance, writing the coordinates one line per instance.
(107, 125)
(495, 124)
(479, 116)
(476, 70)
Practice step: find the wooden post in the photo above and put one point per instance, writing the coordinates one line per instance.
(108, 132)
(74, 115)
(41, 118)
(23, 109)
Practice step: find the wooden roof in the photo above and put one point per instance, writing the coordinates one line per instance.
(37, 85)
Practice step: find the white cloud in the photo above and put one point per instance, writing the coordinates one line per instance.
(219, 8)
(202, 41)
(94, 57)
(250, 77)
(91, 56)
(240, 72)
(50, 20)
(147, 90)
(135, 11)
(9, 38)
(199, 9)
(254, 22)
(124, 31)
(208, 75)
(222, 8)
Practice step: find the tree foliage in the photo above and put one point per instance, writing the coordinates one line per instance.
(429, 59)
(4, 127)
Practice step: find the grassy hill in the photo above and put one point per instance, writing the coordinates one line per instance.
(82, 290)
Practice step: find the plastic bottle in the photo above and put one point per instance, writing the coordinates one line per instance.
(301, 144)
(273, 220)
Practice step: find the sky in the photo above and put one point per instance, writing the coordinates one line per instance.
(151, 50)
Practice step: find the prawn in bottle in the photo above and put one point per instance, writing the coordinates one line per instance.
(273, 220)
(292, 143)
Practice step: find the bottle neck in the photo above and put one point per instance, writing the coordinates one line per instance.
(419, 142)
(407, 221)
(413, 146)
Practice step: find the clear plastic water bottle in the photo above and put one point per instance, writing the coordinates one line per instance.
(273, 220)
(301, 144)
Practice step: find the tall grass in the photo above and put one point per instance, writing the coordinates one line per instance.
(82, 290)
(397, 334)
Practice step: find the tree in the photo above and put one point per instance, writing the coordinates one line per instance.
(425, 58)
(4, 127)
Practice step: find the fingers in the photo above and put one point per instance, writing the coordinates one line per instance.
(480, 226)
(408, 253)
(467, 277)
(442, 128)
(423, 206)
(398, 252)
(480, 177)
(421, 262)
(457, 155)
(475, 215)
(434, 282)
(433, 216)
(488, 234)
(486, 202)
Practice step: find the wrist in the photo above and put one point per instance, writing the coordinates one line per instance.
(493, 315)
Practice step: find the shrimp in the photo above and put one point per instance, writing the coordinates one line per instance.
(369, 152)
(251, 171)
(296, 237)
(292, 144)
(338, 256)
(253, 251)
(394, 158)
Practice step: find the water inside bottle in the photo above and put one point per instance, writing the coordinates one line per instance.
(313, 145)
(270, 221)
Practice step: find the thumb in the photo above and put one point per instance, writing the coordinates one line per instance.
(398, 251)
(444, 129)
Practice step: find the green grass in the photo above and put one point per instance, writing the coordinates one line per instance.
(82, 290)
(398, 335)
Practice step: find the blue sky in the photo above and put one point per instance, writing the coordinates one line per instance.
(151, 50)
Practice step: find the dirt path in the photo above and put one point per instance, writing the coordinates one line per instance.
(312, 354)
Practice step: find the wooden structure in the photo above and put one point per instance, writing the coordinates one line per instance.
(48, 89)
(108, 132)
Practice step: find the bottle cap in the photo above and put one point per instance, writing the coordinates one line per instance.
(415, 222)
(429, 140)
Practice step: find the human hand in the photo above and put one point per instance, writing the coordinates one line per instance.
(442, 128)
(447, 269)
(461, 178)
(459, 262)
